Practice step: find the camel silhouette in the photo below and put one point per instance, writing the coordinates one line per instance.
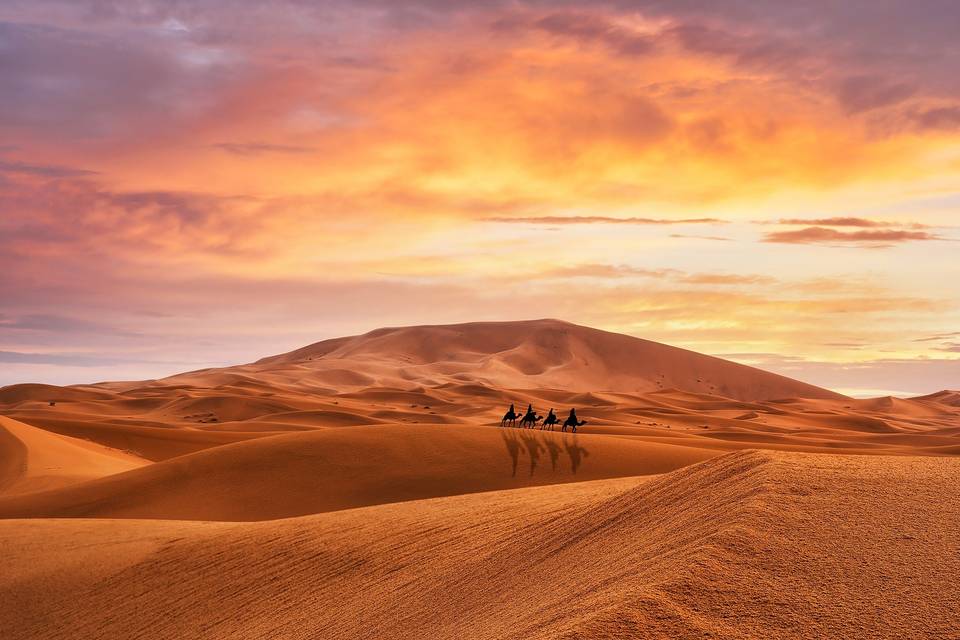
(572, 421)
(510, 418)
(530, 420)
(550, 420)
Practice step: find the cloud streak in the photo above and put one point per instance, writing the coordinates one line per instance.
(845, 222)
(563, 220)
(833, 237)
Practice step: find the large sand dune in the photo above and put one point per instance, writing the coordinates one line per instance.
(32, 459)
(363, 488)
(747, 545)
(329, 470)
(538, 353)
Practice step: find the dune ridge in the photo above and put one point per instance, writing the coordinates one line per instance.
(364, 488)
(745, 545)
(32, 459)
(329, 470)
(544, 354)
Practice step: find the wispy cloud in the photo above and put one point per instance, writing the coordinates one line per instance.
(939, 337)
(41, 170)
(556, 220)
(695, 237)
(845, 222)
(260, 148)
(833, 237)
(57, 359)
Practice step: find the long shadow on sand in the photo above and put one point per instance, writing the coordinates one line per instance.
(534, 444)
(512, 443)
(575, 451)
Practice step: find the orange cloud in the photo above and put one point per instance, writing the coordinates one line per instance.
(871, 239)
(603, 220)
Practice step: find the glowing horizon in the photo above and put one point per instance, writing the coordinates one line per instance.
(198, 184)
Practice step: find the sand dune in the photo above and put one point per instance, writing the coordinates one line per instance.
(32, 459)
(363, 488)
(329, 470)
(541, 353)
(466, 375)
(747, 545)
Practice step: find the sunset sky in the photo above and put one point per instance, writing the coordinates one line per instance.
(187, 184)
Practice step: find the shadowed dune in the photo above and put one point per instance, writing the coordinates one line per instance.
(32, 459)
(336, 469)
(746, 545)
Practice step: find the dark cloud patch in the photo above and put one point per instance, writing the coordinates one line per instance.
(861, 93)
(82, 84)
(940, 118)
(78, 217)
(589, 28)
(45, 171)
(752, 50)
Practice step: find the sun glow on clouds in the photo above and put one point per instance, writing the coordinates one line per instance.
(195, 172)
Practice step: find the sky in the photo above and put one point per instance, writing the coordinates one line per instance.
(186, 184)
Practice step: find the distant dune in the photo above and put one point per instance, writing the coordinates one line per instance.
(538, 353)
(363, 487)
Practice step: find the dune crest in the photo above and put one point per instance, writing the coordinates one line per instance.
(725, 548)
(364, 487)
(542, 354)
(32, 459)
(329, 470)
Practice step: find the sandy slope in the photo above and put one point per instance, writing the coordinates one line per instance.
(747, 545)
(32, 459)
(327, 470)
(536, 353)
(468, 375)
(422, 518)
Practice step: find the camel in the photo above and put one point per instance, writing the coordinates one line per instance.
(550, 420)
(572, 421)
(530, 417)
(530, 420)
(510, 418)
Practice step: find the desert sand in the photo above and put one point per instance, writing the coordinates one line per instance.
(363, 487)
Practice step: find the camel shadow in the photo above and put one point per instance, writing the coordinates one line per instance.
(575, 451)
(512, 443)
(553, 449)
(533, 446)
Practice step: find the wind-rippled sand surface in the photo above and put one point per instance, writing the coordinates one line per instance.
(362, 488)
(746, 545)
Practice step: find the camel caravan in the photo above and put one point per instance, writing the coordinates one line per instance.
(530, 419)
